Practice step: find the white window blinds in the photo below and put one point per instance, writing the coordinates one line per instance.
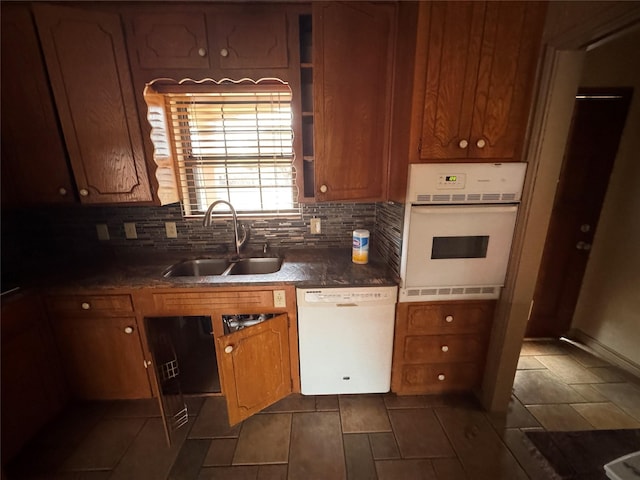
(234, 144)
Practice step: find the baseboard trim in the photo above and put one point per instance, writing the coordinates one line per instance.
(605, 352)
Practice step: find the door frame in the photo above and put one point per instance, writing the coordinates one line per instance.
(559, 75)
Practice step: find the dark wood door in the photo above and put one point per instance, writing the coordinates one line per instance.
(598, 120)
(255, 367)
(352, 55)
(34, 163)
(89, 72)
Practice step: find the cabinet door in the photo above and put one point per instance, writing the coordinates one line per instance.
(33, 387)
(89, 72)
(102, 357)
(452, 33)
(506, 74)
(255, 367)
(250, 39)
(171, 40)
(480, 65)
(353, 54)
(34, 164)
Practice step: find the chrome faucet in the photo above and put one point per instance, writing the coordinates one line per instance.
(239, 242)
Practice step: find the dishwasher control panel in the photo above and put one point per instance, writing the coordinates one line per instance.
(357, 295)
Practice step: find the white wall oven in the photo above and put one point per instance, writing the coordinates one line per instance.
(458, 229)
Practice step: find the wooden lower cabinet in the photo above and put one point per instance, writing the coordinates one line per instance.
(257, 365)
(100, 346)
(440, 347)
(33, 387)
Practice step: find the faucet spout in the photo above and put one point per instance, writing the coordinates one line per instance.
(238, 242)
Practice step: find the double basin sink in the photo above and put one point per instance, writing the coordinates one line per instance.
(203, 267)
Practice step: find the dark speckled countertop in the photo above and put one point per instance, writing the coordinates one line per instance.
(300, 267)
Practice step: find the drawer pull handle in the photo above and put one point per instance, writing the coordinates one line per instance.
(128, 330)
(441, 377)
(448, 318)
(85, 306)
(228, 349)
(445, 348)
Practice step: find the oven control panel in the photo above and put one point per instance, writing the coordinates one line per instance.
(454, 180)
(455, 183)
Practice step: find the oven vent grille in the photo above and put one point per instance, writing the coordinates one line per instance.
(449, 291)
(491, 197)
(461, 197)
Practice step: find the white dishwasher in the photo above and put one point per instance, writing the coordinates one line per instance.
(346, 339)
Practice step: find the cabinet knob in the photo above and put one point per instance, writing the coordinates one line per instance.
(585, 227)
(84, 192)
(583, 246)
(324, 188)
(202, 52)
(448, 318)
(62, 191)
(224, 52)
(445, 348)
(228, 349)
(128, 330)
(441, 377)
(463, 143)
(481, 143)
(85, 305)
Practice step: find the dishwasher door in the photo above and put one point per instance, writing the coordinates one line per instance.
(346, 339)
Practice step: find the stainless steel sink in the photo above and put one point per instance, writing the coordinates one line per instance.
(203, 267)
(255, 266)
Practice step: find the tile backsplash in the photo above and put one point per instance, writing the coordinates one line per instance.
(72, 230)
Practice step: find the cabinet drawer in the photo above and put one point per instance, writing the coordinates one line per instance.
(91, 305)
(444, 348)
(439, 378)
(433, 319)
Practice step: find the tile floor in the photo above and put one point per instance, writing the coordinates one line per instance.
(557, 387)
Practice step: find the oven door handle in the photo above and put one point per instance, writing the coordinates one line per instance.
(457, 209)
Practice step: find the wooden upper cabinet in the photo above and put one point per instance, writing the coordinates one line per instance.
(353, 47)
(170, 40)
(250, 40)
(475, 69)
(34, 163)
(89, 73)
(206, 41)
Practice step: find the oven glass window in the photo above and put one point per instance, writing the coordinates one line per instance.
(460, 247)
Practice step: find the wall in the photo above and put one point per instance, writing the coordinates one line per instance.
(608, 308)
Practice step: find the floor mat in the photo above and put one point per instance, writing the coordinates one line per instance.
(582, 455)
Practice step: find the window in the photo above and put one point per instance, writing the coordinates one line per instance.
(232, 142)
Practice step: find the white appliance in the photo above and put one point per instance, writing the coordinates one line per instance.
(346, 339)
(459, 223)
